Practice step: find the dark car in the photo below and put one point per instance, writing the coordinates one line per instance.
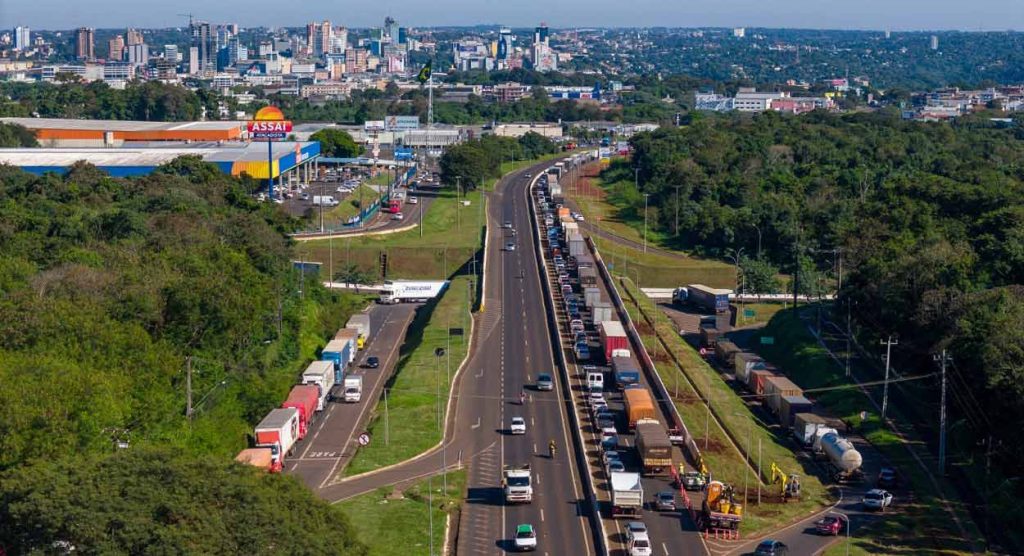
(887, 478)
(829, 525)
(372, 362)
(771, 547)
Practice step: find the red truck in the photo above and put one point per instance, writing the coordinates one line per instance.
(278, 431)
(304, 398)
(395, 206)
(613, 337)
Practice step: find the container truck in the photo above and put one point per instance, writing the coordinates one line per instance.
(804, 427)
(587, 276)
(654, 447)
(602, 311)
(743, 362)
(756, 379)
(726, 352)
(361, 323)
(577, 246)
(845, 461)
(790, 406)
(626, 369)
(591, 295)
(278, 431)
(639, 405)
(708, 336)
(351, 336)
(409, 291)
(775, 387)
(320, 373)
(338, 352)
(613, 336)
(627, 494)
(709, 299)
(517, 483)
(353, 388)
(262, 458)
(304, 398)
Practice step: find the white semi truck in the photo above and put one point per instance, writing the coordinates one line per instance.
(409, 291)
(517, 483)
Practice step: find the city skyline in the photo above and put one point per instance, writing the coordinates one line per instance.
(911, 15)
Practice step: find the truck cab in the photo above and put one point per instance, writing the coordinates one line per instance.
(517, 483)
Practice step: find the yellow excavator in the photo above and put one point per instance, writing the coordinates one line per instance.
(790, 483)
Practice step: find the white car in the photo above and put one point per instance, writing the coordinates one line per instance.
(397, 216)
(526, 538)
(518, 425)
(580, 218)
(413, 201)
(639, 544)
(877, 499)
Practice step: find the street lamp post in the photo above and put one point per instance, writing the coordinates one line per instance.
(646, 196)
(846, 518)
(677, 208)
(735, 257)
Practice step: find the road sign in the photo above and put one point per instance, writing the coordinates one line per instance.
(455, 332)
(374, 125)
(767, 340)
(703, 352)
(749, 313)
(364, 439)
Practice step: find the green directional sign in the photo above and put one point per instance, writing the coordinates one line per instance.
(750, 313)
(767, 340)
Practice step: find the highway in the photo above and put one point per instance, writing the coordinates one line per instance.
(515, 346)
(331, 441)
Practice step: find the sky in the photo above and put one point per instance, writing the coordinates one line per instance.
(988, 15)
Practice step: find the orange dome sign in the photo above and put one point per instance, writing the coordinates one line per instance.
(269, 123)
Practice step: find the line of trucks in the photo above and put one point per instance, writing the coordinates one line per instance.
(786, 401)
(275, 436)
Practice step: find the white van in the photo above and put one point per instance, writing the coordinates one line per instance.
(595, 381)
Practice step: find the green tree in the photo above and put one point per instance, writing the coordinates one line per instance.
(143, 500)
(336, 143)
(14, 135)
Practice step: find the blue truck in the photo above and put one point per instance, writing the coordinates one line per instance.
(709, 299)
(340, 353)
(626, 371)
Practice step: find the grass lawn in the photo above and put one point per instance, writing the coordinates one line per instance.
(693, 374)
(659, 271)
(420, 380)
(395, 522)
(920, 524)
(763, 312)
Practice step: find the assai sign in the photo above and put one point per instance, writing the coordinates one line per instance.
(269, 124)
(401, 123)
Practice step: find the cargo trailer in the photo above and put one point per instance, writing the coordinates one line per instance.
(613, 336)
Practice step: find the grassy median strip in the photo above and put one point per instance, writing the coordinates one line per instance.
(394, 522)
(918, 524)
(723, 460)
(409, 424)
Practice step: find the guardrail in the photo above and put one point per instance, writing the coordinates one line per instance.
(563, 367)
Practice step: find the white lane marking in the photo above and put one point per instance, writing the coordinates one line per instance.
(542, 514)
(477, 425)
(665, 548)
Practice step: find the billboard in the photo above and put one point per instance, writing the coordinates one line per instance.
(401, 123)
(269, 124)
(374, 125)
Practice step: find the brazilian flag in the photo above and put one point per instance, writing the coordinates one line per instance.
(424, 74)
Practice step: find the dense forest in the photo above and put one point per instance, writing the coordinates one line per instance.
(150, 101)
(111, 290)
(929, 218)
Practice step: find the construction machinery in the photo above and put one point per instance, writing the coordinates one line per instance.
(790, 484)
(720, 510)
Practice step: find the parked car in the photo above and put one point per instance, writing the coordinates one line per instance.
(518, 425)
(771, 547)
(877, 499)
(665, 501)
(829, 525)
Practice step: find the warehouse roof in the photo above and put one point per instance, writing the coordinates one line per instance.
(121, 125)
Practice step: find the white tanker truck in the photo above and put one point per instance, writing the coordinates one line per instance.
(843, 459)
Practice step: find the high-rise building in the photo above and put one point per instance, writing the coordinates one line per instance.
(888, 34)
(310, 36)
(133, 37)
(403, 35)
(115, 48)
(204, 45)
(322, 41)
(171, 53)
(935, 42)
(138, 54)
(540, 34)
(193, 60)
(85, 44)
(505, 46)
(22, 38)
(356, 60)
(339, 40)
(233, 27)
(265, 49)
(391, 28)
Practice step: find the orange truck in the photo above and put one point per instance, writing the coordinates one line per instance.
(639, 405)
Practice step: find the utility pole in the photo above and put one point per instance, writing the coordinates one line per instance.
(943, 359)
(677, 209)
(188, 387)
(387, 420)
(796, 272)
(849, 332)
(885, 386)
